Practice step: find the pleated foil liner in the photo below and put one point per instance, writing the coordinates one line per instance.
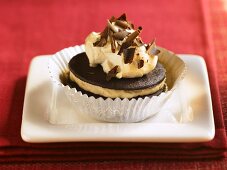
(116, 110)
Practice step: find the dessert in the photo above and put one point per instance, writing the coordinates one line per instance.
(115, 76)
(118, 64)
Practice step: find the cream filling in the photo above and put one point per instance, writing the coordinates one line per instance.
(112, 93)
(107, 59)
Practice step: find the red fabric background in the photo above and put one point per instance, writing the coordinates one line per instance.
(29, 28)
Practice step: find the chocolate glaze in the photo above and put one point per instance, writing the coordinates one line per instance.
(79, 66)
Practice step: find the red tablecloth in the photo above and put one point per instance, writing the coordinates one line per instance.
(29, 28)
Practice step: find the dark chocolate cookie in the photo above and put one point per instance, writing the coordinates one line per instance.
(79, 66)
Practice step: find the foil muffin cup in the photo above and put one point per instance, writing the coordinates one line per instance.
(116, 110)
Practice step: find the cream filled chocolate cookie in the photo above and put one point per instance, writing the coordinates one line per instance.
(93, 79)
(117, 63)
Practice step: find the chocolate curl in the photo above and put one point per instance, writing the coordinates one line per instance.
(112, 19)
(151, 48)
(140, 64)
(131, 25)
(140, 28)
(129, 55)
(122, 24)
(111, 26)
(112, 73)
(139, 42)
(151, 45)
(129, 41)
(122, 17)
(112, 41)
(120, 35)
(103, 39)
(133, 35)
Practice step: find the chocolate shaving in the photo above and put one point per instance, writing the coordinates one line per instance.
(122, 17)
(151, 48)
(132, 36)
(111, 26)
(140, 28)
(134, 44)
(112, 73)
(129, 41)
(123, 46)
(132, 25)
(100, 43)
(128, 55)
(120, 35)
(112, 19)
(103, 39)
(152, 43)
(140, 64)
(105, 32)
(139, 42)
(112, 41)
(122, 24)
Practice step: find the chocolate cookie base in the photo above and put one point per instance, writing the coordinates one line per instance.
(79, 66)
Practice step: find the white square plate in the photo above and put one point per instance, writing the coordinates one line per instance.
(36, 128)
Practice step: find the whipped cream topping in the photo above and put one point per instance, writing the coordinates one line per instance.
(122, 47)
